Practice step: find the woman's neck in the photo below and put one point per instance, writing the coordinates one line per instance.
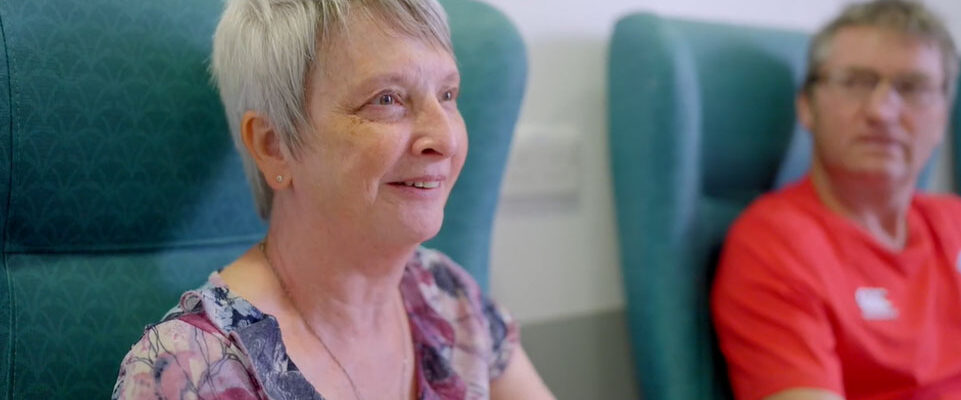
(334, 274)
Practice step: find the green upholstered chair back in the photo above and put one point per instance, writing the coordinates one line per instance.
(700, 118)
(120, 189)
(493, 65)
(701, 122)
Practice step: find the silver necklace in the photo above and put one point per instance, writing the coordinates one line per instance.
(263, 249)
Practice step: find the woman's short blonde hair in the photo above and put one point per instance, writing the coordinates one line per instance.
(264, 51)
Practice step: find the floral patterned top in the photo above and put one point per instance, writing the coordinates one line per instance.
(216, 345)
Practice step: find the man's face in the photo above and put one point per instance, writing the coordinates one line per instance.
(878, 108)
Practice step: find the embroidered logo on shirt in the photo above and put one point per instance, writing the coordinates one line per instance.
(874, 303)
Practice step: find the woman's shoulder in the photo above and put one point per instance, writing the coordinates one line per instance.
(185, 353)
(190, 350)
(486, 332)
(179, 333)
(433, 268)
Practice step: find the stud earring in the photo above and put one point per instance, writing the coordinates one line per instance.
(280, 178)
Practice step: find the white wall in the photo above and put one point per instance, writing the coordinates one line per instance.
(556, 256)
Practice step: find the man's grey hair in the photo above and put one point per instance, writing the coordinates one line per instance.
(265, 50)
(903, 16)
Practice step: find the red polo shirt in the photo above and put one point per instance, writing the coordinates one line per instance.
(805, 298)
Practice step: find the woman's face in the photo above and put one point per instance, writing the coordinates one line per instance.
(388, 141)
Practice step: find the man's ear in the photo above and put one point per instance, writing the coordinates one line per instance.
(267, 148)
(802, 106)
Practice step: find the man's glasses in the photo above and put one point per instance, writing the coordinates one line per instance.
(916, 90)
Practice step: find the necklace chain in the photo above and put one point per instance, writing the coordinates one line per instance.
(350, 380)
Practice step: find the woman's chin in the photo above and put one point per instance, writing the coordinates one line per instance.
(416, 230)
(428, 232)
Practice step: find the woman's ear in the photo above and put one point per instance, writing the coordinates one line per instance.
(267, 149)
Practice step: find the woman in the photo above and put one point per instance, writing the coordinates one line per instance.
(346, 114)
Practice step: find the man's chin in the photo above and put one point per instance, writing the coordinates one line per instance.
(883, 174)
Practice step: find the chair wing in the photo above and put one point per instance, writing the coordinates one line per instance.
(120, 187)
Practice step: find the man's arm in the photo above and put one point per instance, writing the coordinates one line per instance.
(770, 317)
(805, 394)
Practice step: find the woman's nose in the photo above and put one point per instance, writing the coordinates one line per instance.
(435, 130)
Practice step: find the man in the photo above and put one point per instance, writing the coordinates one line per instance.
(846, 285)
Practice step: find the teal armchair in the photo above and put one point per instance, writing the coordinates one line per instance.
(120, 188)
(701, 117)
(701, 123)
(493, 64)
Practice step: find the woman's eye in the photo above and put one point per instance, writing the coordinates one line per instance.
(388, 105)
(386, 99)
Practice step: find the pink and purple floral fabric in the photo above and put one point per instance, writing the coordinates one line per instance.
(216, 345)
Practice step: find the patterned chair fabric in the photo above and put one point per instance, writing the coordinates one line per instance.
(120, 189)
(701, 122)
